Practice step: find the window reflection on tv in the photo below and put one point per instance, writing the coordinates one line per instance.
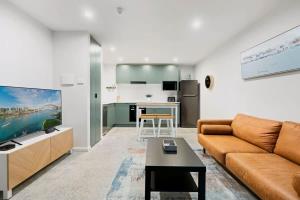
(28, 110)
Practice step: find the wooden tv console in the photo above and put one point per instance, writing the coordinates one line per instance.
(37, 152)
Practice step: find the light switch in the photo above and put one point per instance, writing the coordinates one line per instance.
(80, 81)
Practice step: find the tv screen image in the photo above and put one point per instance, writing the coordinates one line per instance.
(28, 110)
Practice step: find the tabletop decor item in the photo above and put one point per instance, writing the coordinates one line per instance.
(149, 96)
(169, 145)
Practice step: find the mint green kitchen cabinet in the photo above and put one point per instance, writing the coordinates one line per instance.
(127, 73)
(122, 114)
(151, 74)
(111, 116)
(118, 114)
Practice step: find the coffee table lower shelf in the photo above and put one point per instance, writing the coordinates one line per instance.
(172, 182)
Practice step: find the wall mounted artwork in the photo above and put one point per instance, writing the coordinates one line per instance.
(276, 55)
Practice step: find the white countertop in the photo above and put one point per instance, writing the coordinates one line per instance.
(143, 102)
(156, 103)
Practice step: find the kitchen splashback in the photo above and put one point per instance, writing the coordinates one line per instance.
(137, 92)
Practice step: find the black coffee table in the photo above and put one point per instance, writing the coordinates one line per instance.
(169, 172)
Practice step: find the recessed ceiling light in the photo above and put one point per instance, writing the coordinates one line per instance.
(112, 49)
(146, 59)
(196, 24)
(175, 59)
(120, 59)
(88, 14)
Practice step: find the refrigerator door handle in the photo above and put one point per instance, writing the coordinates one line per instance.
(189, 95)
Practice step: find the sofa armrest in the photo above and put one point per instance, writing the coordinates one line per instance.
(212, 122)
(296, 183)
(216, 129)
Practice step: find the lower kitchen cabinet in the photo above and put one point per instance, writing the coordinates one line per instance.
(111, 115)
(122, 114)
(117, 115)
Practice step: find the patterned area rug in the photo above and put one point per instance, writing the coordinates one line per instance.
(129, 181)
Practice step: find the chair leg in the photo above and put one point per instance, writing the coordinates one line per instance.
(153, 124)
(172, 128)
(141, 129)
(159, 126)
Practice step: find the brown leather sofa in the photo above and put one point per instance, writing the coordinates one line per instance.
(263, 154)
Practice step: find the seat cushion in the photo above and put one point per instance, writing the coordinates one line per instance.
(288, 142)
(296, 183)
(216, 130)
(219, 145)
(270, 176)
(260, 132)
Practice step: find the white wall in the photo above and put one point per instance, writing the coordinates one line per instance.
(275, 97)
(71, 57)
(187, 72)
(25, 50)
(109, 79)
(137, 92)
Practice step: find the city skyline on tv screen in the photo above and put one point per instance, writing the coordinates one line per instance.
(28, 110)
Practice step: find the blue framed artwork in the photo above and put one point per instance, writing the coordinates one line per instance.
(276, 55)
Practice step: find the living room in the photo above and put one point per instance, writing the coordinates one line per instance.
(149, 99)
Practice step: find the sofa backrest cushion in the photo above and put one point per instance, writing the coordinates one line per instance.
(288, 143)
(260, 132)
(216, 129)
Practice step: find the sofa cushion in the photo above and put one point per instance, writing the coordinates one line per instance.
(260, 132)
(268, 175)
(288, 142)
(219, 145)
(216, 130)
(296, 183)
(202, 122)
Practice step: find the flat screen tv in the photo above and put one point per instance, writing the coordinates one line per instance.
(28, 110)
(169, 85)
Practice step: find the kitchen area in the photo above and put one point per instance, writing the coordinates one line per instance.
(127, 85)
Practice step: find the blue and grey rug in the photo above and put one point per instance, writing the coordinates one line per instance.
(129, 181)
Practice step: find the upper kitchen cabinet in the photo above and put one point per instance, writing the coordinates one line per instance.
(151, 74)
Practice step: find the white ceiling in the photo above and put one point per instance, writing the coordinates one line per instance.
(158, 29)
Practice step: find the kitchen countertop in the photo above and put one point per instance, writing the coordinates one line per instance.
(156, 103)
(140, 102)
(119, 103)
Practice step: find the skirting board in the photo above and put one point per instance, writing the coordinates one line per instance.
(81, 149)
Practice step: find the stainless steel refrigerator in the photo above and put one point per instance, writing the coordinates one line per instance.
(189, 98)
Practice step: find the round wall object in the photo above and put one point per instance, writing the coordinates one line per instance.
(208, 81)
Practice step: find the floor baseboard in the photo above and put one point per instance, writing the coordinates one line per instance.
(81, 149)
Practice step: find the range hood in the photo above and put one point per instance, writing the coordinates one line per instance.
(138, 82)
